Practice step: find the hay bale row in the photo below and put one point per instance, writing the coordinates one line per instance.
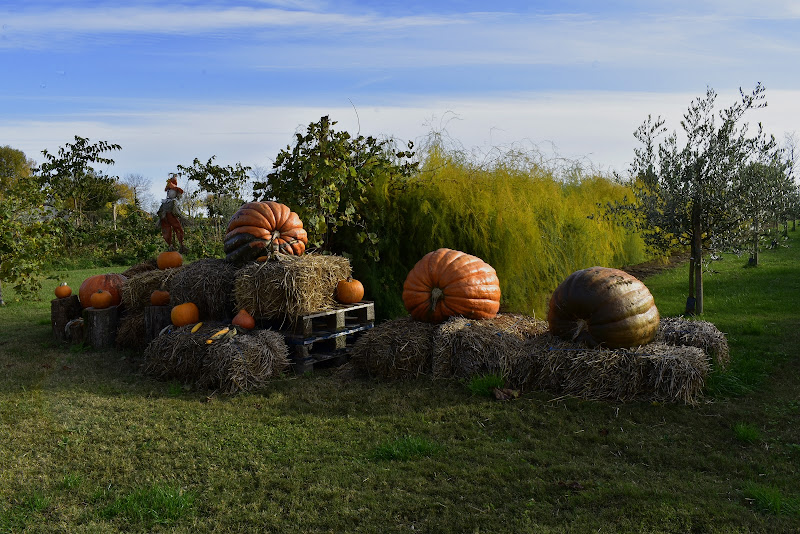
(464, 348)
(656, 371)
(701, 334)
(209, 284)
(290, 285)
(138, 288)
(244, 362)
(395, 350)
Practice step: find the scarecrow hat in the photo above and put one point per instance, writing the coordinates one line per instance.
(172, 183)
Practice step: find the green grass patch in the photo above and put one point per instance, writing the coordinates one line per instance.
(484, 385)
(153, 505)
(406, 448)
(770, 500)
(746, 433)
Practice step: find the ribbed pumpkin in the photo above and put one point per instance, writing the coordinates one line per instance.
(260, 228)
(169, 260)
(183, 314)
(349, 291)
(63, 290)
(159, 297)
(603, 306)
(111, 282)
(100, 299)
(447, 283)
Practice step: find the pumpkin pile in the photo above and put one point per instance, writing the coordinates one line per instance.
(261, 229)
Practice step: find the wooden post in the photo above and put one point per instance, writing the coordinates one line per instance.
(155, 319)
(63, 311)
(101, 326)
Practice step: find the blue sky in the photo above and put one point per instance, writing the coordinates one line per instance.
(171, 81)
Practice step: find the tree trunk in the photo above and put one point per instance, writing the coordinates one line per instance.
(694, 303)
(2, 303)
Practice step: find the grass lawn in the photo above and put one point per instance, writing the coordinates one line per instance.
(88, 444)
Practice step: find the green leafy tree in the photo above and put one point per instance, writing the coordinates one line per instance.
(28, 230)
(77, 187)
(327, 177)
(687, 193)
(224, 187)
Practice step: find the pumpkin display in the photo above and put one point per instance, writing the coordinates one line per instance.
(244, 320)
(111, 282)
(159, 297)
(349, 291)
(603, 306)
(63, 290)
(100, 299)
(169, 260)
(183, 314)
(446, 283)
(264, 228)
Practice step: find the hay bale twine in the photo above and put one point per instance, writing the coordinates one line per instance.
(209, 284)
(395, 350)
(464, 348)
(137, 289)
(242, 363)
(290, 285)
(701, 334)
(653, 372)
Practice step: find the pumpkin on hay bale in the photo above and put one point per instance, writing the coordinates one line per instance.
(395, 350)
(138, 289)
(464, 348)
(653, 372)
(244, 362)
(208, 283)
(264, 228)
(701, 334)
(290, 285)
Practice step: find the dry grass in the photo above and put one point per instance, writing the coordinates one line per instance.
(701, 334)
(209, 284)
(242, 363)
(138, 288)
(395, 350)
(290, 285)
(464, 348)
(656, 372)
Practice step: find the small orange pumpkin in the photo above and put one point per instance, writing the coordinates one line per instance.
(159, 297)
(169, 260)
(244, 320)
(63, 291)
(101, 299)
(183, 314)
(349, 291)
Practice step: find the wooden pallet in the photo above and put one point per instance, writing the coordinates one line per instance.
(321, 339)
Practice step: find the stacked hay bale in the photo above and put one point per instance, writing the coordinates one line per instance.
(395, 350)
(240, 363)
(135, 298)
(695, 333)
(290, 285)
(209, 284)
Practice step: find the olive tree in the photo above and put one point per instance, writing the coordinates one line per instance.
(687, 190)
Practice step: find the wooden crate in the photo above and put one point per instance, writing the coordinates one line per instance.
(321, 339)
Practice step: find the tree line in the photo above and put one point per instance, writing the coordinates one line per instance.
(717, 187)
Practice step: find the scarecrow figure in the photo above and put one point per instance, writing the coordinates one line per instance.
(169, 216)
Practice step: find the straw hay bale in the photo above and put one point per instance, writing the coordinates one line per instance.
(148, 265)
(395, 350)
(131, 331)
(290, 285)
(655, 372)
(209, 284)
(701, 334)
(465, 348)
(242, 363)
(137, 289)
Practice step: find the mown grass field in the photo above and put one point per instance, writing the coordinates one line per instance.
(88, 444)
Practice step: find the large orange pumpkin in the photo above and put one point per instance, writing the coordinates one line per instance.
(264, 227)
(183, 314)
(603, 306)
(447, 283)
(111, 282)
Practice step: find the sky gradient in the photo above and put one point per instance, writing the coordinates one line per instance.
(171, 81)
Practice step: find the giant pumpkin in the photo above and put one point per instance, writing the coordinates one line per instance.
(447, 283)
(603, 306)
(111, 282)
(264, 227)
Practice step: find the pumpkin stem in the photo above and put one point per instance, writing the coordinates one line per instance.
(580, 326)
(436, 296)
